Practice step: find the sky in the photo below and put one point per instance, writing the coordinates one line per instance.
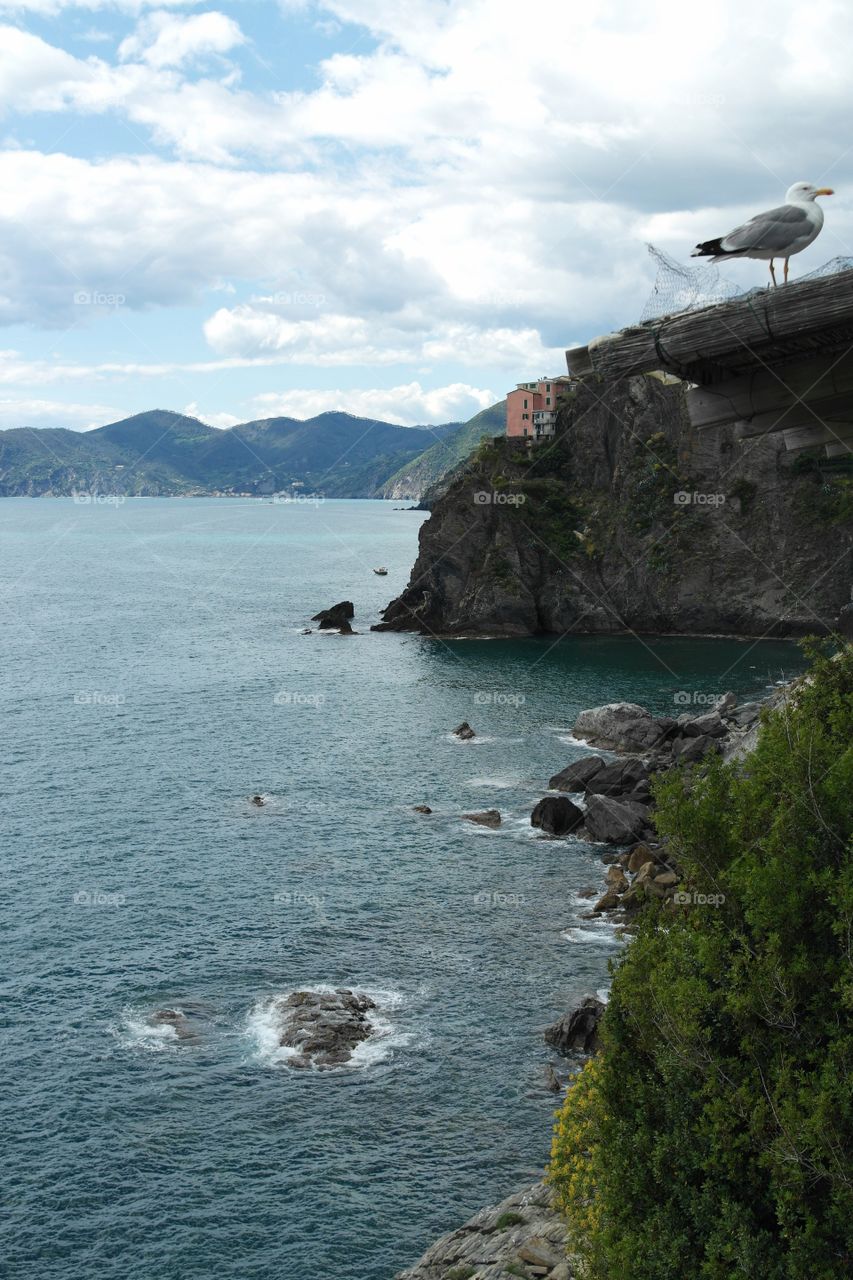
(399, 208)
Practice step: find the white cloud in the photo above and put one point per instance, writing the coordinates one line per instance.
(409, 405)
(169, 40)
(54, 413)
(220, 420)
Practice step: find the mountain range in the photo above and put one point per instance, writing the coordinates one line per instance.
(160, 453)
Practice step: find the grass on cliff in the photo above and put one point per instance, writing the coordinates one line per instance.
(711, 1136)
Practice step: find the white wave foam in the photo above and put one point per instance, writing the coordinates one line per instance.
(492, 782)
(263, 1027)
(136, 1031)
(593, 936)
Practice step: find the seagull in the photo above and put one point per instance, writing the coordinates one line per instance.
(778, 233)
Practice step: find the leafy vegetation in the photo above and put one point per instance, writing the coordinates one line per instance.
(711, 1136)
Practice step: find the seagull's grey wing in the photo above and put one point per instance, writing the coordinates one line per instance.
(775, 229)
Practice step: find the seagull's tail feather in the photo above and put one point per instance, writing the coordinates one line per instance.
(709, 249)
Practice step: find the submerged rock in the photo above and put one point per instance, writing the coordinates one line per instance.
(421, 808)
(556, 815)
(325, 1027)
(175, 1019)
(464, 731)
(488, 818)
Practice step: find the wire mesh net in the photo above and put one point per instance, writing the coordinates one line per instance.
(680, 288)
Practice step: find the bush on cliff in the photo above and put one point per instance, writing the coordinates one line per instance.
(711, 1137)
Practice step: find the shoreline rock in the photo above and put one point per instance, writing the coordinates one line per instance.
(324, 1027)
(524, 1231)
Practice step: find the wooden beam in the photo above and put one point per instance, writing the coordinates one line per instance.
(811, 437)
(719, 341)
(838, 450)
(765, 390)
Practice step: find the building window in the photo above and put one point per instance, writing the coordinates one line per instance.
(525, 416)
(525, 404)
(525, 430)
(547, 386)
(547, 399)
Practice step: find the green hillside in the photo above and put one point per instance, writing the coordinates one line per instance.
(427, 475)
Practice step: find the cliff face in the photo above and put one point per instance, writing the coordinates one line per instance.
(631, 519)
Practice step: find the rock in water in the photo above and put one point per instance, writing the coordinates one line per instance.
(337, 618)
(577, 1031)
(422, 808)
(556, 815)
(488, 818)
(622, 726)
(616, 821)
(324, 1027)
(176, 1020)
(576, 777)
(464, 731)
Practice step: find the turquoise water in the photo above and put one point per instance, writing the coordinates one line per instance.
(156, 676)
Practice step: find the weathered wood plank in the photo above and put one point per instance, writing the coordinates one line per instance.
(718, 341)
(810, 437)
(765, 390)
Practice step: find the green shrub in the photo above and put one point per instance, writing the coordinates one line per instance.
(508, 1220)
(711, 1137)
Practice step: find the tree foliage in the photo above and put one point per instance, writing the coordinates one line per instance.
(712, 1137)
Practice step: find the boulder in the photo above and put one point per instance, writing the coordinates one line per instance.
(556, 815)
(617, 879)
(619, 778)
(615, 821)
(552, 1080)
(726, 704)
(337, 618)
(576, 776)
(464, 731)
(175, 1019)
(422, 808)
(667, 879)
(745, 715)
(324, 1027)
(612, 726)
(689, 750)
(638, 856)
(709, 725)
(608, 901)
(577, 1031)
(488, 818)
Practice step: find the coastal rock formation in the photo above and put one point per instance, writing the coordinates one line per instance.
(464, 732)
(610, 528)
(556, 815)
(576, 776)
(175, 1019)
(325, 1027)
(615, 821)
(337, 618)
(488, 818)
(577, 1031)
(522, 1236)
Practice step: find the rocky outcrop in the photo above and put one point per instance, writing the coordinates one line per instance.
(337, 618)
(556, 815)
(577, 1031)
(324, 1027)
(616, 821)
(464, 732)
(488, 818)
(599, 532)
(522, 1236)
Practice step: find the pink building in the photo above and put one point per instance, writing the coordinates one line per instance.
(531, 409)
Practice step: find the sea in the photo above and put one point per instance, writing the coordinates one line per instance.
(157, 674)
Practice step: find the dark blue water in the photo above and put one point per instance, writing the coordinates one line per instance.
(155, 676)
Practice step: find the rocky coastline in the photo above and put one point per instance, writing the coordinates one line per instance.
(524, 1236)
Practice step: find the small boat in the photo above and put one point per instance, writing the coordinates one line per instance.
(381, 571)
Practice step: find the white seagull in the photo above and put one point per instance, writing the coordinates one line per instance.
(778, 233)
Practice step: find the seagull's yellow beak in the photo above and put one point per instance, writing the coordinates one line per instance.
(824, 191)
